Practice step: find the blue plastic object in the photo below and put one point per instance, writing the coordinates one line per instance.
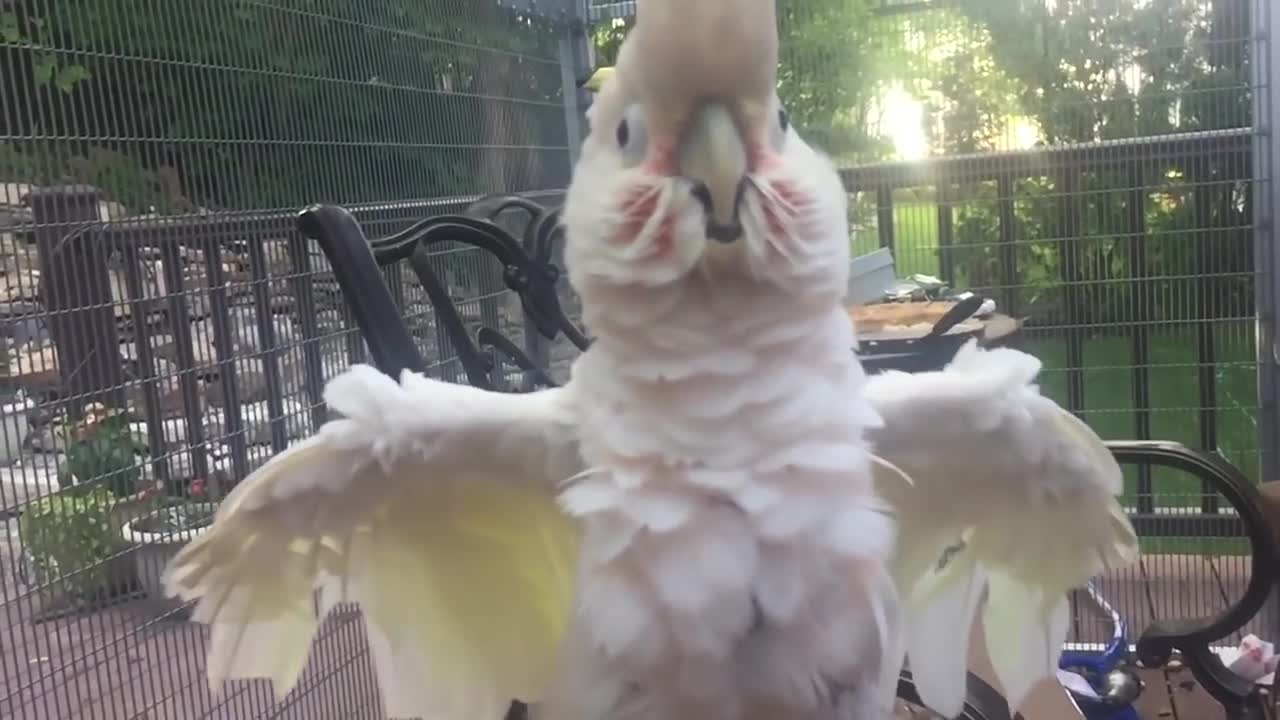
(1108, 673)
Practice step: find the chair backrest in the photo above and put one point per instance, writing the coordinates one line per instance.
(1198, 624)
(528, 269)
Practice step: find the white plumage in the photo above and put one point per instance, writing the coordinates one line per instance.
(420, 503)
(1027, 487)
(719, 517)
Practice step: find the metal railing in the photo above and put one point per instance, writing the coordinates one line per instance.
(214, 335)
(1157, 279)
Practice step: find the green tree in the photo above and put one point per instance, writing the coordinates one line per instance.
(250, 105)
(833, 65)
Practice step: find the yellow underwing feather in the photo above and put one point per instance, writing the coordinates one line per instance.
(1012, 496)
(456, 550)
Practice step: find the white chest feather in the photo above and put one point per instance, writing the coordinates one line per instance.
(729, 498)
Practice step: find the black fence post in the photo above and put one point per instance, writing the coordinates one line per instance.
(220, 316)
(184, 345)
(1141, 305)
(270, 356)
(884, 216)
(1006, 194)
(76, 289)
(1208, 285)
(304, 292)
(1067, 187)
(140, 307)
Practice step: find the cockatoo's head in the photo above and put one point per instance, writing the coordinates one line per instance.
(781, 225)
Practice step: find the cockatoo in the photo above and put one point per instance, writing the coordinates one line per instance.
(720, 516)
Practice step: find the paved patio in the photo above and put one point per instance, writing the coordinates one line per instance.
(135, 660)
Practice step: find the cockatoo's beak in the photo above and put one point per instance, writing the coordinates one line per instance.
(713, 156)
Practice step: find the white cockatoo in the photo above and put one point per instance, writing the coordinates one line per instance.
(720, 516)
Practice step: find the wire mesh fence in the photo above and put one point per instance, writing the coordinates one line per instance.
(166, 330)
(1089, 165)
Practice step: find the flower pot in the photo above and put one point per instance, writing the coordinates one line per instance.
(155, 543)
(72, 555)
(130, 508)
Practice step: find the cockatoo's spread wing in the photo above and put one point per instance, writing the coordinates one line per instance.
(429, 504)
(1008, 493)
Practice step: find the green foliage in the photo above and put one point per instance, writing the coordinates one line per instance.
(269, 105)
(122, 177)
(833, 64)
(103, 451)
(608, 40)
(1078, 61)
(71, 537)
(49, 68)
(260, 105)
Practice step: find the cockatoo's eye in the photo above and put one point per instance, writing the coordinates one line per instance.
(631, 136)
(781, 126)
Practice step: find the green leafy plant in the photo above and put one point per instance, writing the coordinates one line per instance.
(49, 68)
(71, 537)
(102, 448)
(187, 505)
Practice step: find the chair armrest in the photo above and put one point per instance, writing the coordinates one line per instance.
(360, 279)
(1193, 637)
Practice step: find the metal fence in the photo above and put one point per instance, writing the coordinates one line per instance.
(165, 328)
(1105, 171)
(1100, 168)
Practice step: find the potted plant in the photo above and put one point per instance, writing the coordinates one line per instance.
(73, 554)
(102, 449)
(159, 534)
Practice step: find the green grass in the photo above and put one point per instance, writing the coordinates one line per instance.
(1175, 400)
(1109, 377)
(915, 235)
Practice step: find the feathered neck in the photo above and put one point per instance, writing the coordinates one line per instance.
(720, 362)
(709, 309)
